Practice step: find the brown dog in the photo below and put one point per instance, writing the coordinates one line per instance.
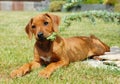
(61, 51)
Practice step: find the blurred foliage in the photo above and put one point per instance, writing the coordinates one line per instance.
(110, 2)
(92, 1)
(91, 15)
(71, 4)
(86, 1)
(56, 5)
(77, 3)
(66, 5)
(58, 0)
(117, 7)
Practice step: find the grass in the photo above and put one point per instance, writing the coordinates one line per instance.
(16, 49)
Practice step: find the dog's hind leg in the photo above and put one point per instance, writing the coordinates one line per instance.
(99, 48)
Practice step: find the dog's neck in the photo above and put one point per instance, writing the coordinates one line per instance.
(47, 45)
(44, 45)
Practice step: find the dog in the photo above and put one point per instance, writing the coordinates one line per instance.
(59, 52)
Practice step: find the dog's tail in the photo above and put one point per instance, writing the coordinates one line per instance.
(100, 43)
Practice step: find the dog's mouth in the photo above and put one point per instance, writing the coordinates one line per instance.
(50, 37)
(41, 38)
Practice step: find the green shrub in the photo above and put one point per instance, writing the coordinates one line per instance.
(93, 1)
(110, 2)
(58, 0)
(77, 3)
(56, 6)
(92, 16)
(117, 7)
(71, 4)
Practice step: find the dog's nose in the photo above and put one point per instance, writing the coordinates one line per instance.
(40, 34)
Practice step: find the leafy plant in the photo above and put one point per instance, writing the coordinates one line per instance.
(91, 15)
(56, 6)
(52, 37)
(71, 4)
(117, 7)
(59, 0)
(93, 1)
(110, 2)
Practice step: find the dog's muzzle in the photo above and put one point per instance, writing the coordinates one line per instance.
(41, 36)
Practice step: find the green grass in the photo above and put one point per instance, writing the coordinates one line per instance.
(16, 49)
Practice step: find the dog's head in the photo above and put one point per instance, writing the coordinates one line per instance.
(42, 26)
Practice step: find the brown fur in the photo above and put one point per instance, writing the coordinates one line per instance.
(61, 51)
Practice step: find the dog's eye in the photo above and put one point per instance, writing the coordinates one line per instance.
(45, 23)
(33, 26)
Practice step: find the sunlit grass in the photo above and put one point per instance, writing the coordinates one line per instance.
(16, 49)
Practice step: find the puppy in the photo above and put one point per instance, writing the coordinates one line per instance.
(59, 52)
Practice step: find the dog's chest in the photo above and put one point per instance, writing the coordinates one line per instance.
(50, 58)
(46, 59)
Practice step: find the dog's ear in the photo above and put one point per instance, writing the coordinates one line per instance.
(55, 20)
(28, 29)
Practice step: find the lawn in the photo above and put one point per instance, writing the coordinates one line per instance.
(16, 49)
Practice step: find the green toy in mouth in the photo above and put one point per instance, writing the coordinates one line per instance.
(52, 37)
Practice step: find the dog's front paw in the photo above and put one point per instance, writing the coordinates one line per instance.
(44, 74)
(16, 73)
